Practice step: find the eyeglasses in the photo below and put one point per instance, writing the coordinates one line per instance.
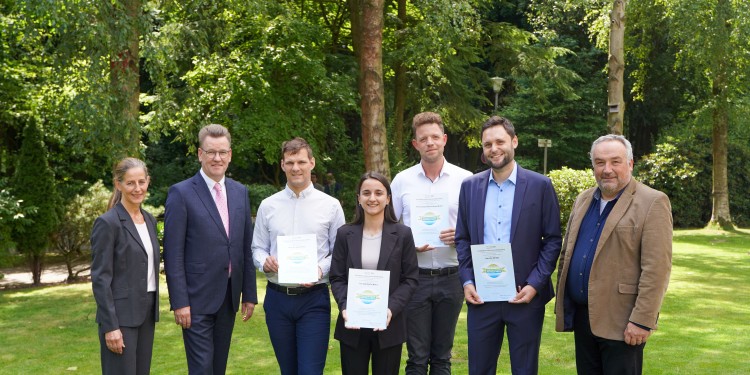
(212, 154)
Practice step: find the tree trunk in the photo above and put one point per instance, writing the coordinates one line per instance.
(400, 85)
(720, 214)
(616, 67)
(374, 135)
(124, 78)
(36, 264)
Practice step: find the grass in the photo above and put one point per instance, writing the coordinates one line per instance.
(704, 324)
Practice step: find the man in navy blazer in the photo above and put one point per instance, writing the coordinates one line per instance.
(207, 256)
(508, 204)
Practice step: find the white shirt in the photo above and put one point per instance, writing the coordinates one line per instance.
(413, 181)
(286, 214)
(211, 183)
(148, 245)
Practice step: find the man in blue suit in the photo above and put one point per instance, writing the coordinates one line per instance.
(207, 256)
(508, 204)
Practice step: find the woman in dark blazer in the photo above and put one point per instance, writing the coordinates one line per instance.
(374, 240)
(125, 274)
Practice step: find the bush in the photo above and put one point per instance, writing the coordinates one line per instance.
(71, 240)
(568, 184)
(675, 169)
(259, 192)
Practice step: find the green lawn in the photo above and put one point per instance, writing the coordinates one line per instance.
(705, 324)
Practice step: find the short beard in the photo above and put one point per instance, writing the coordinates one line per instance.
(498, 166)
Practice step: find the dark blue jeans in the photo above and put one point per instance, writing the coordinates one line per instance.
(299, 327)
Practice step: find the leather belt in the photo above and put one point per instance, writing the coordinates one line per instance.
(295, 291)
(438, 271)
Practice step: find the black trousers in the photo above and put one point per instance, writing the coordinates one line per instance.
(596, 355)
(355, 361)
(139, 342)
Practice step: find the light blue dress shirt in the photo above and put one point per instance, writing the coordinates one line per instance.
(498, 208)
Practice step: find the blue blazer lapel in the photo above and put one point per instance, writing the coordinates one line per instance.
(354, 243)
(387, 244)
(129, 226)
(201, 190)
(520, 193)
(480, 191)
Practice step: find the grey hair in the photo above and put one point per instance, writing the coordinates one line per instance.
(612, 137)
(118, 172)
(213, 131)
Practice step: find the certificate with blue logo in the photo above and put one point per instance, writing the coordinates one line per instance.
(429, 215)
(298, 258)
(493, 272)
(367, 298)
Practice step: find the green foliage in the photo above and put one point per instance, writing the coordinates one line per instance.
(34, 184)
(568, 184)
(440, 46)
(72, 236)
(671, 169)
(555, 87)
(681, 168)
(12, 213)
(256, 67)
(259, 192)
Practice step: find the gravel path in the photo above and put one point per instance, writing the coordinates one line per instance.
(54, 274)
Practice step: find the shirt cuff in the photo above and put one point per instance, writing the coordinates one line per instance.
(641, 326)
(469, 282)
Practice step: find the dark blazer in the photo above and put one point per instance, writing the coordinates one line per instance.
(396, 255)
(119, 269)
(631, 266)
(197, 250)
(534, 231)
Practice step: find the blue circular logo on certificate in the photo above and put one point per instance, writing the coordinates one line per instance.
(429, 218)
(494, 271)
(297, 258)
(367, 297)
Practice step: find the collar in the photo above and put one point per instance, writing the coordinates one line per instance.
(513, 175)
(444, 170)
(210, 182)
(598, 193)
(309, 190)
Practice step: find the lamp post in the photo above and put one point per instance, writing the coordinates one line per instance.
(497, 86)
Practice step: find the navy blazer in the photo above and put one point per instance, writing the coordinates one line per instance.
(398, 255)
(119, 269)
(534, 231)
(197, 250)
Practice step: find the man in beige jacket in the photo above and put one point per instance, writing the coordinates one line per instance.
(615, 264)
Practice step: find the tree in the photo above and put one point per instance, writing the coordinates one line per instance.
(124, 72)
(719, 56)
(34, 184)
(264, 69)
(367, 16)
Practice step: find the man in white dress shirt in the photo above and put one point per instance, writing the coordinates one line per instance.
(433, 310)
(298, 316)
